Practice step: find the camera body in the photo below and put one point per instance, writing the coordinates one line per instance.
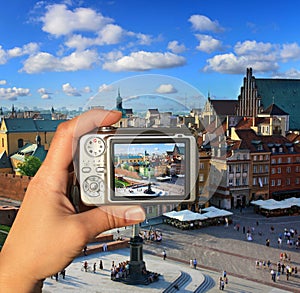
(137, 166)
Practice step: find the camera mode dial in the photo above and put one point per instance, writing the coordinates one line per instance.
(95, 146)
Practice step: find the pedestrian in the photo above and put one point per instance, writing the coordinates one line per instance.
(273, 275)
(226, 280)
(104, 247)
(195, 263)
(101, 265)
(85, 265)
(56, 277)
(164, 254)
(221, 284)
(85, 250)
(244, 229)
(224, 274)
(267, 242)
(191, 263)
(94, 268)
(63, 273)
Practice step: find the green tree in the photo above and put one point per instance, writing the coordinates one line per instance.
(30, 166)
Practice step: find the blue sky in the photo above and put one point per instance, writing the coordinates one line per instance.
(64, 54)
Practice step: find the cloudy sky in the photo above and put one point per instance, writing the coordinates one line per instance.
(64, 53)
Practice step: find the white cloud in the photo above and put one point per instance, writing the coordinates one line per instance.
(45, 62)
(292, 73)
(208, 44)
(59, 20)
(27, 49)
(290, 51)
(70, 90)
(13, 93)
(87, 89)
(110, 35)
(252, 47)
(3, 56)
(105, 88)
(3, 82)
(203, 24)
(176, 48)
(166, 89)
(45, 95)
(142, 61)
(232, 64)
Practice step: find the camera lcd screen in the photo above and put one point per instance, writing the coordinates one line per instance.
(150, 170)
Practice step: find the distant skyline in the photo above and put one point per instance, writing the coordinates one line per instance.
(150, 148)
(75, 53)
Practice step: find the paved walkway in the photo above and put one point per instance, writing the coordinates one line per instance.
(216, 248)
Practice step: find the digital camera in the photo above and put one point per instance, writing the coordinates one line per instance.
(138, 165)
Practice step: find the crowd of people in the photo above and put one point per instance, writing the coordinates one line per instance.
(152, 235)
(282, 267)
(119, 271)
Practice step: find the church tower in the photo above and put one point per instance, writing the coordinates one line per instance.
(249, 102)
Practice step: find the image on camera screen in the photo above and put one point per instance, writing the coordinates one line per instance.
(150, 170)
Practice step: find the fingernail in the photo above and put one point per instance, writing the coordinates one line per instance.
(134, 215)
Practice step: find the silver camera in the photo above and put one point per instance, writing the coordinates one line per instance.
(138, 165)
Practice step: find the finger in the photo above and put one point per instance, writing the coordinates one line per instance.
(61, 152)
(105, 218)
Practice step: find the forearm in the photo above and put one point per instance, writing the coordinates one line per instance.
(12, 280)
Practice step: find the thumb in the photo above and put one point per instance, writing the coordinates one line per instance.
(104, 218)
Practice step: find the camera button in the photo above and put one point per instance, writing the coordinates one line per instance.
(100, 169)
(86, 169)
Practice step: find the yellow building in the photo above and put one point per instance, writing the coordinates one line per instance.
(15, 133)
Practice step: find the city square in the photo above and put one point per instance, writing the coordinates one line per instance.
(216, 248)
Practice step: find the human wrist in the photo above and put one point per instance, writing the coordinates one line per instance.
(12, 282)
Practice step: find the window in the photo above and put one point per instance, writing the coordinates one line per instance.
(254, 181)
(279, 160)
(201, 166)
(254, 169)
(279, 170)
(266, 168)
(3, 142)
(261, 157)
(273, 182)
(297, 181)
(238, 168)
(288, 169)
(201, 177)
(288, 181)
(289, 160)
(278, 182)
(280, 149)
(254, 158)
(297, 169)
(20, 142)
(273, 170)
(237, 181)
(230, 181)
(273, 161)
(244, 180)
